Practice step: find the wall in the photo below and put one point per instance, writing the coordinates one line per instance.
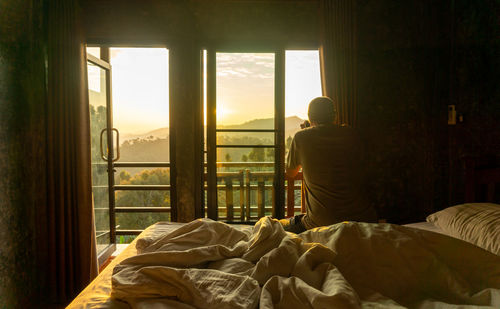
(243, 23)
(403, 94)
(21, 135)
(475, 86)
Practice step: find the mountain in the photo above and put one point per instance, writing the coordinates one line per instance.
(292, 125)
(157, 133)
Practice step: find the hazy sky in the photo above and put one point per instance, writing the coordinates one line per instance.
(245, 87)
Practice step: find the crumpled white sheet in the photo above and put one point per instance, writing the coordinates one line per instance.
(208, 264)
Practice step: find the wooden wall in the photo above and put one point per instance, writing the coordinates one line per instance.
(474, 86)
(403, 95)
(21, 143)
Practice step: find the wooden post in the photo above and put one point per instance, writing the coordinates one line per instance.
(290, 197)
(302, 197)
(242, 196)
(248, 194)
(229, 198)
(260, 197)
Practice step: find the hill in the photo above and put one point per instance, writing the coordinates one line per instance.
(292, 125)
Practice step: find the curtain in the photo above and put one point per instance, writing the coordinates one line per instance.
(66, 237)
(338, 56)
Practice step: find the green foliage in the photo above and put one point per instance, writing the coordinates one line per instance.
(257, 155)
(144, 198)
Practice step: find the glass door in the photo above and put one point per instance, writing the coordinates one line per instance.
(102, 153)
(245, 144)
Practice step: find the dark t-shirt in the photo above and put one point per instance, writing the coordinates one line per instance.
(331, 158)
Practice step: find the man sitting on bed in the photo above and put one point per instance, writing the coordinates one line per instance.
(331, 160)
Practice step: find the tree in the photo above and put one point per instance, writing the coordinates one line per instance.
(270, 154)
(257, 155)
(143, 198)
(244, 158)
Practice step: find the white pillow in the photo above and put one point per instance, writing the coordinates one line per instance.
(477, 223)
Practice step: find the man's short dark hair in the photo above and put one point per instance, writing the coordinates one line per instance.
(322, 110)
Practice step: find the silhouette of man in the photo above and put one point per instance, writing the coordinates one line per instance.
(330, 156)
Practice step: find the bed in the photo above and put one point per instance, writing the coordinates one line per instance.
(208, 264)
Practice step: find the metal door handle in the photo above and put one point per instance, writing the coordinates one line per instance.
(117, 144)
(102, 153)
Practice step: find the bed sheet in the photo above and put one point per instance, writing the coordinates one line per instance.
(96, 294)
(428, 226)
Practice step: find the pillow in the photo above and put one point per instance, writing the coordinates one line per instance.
(477, 223)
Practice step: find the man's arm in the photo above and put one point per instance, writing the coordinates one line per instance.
(293, 160)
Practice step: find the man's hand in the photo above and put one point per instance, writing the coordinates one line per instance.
(305, 124)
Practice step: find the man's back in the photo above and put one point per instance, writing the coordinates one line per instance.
(331, 160)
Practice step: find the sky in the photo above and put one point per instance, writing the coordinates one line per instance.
(245, 87)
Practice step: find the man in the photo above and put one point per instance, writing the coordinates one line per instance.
(331, 160)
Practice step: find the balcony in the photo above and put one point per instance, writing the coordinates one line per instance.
(246, 191)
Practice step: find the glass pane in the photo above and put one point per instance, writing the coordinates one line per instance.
(97, 106)
(245, 100)
(94, 51)
(139, 221)
(245, 90)
(125, 239)
(142, 176)
(141, 103)
(142, 198)
(302, 84)
(245, 138)
(302, 81)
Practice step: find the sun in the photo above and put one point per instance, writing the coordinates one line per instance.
(223, 113)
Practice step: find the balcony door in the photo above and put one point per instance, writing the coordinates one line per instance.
(130, 142)
(245, 135)
(102, 148)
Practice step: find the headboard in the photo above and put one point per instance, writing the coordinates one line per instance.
(482, 177)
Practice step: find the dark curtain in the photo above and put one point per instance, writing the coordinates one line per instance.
(67, 255)
(338, 56)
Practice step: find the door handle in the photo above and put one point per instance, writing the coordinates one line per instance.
(102, 152)
(117, 144)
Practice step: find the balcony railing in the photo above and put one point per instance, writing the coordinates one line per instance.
(246, 187)
(250, 179)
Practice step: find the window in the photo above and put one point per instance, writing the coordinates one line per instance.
(249, 95)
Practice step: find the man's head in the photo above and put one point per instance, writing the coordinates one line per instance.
(321, 111)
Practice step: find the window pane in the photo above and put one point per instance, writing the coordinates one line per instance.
(302, 81)
(141, 103)
(245, 90)
(139, 221)
(100, 190)
(302, 84)
(142, 198)
(94, 51)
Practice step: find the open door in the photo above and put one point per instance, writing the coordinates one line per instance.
(99, 80)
